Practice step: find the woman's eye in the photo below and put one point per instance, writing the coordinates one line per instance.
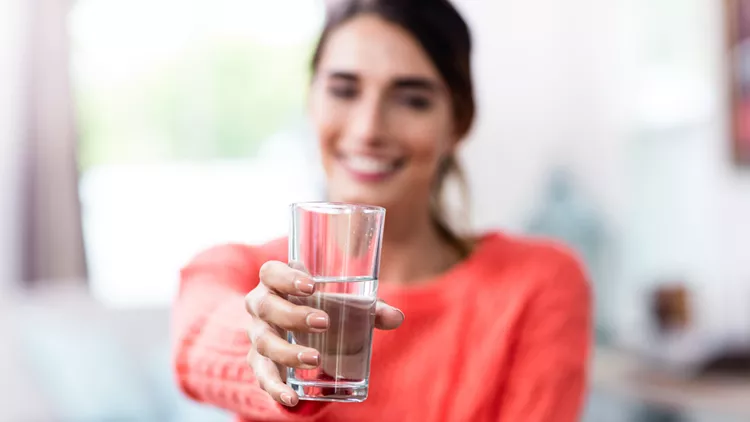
(343, 92)
(416, 102)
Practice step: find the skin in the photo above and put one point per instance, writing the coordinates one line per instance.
(384, 121)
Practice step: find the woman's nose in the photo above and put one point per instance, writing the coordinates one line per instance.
(367, 125)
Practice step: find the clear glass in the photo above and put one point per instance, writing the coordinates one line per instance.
(339, 246)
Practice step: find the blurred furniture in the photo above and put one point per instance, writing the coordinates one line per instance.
(715, 398)
(670, 308)
(79, 361)
(680, 346)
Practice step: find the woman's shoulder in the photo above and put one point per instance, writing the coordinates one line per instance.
(505, 248)
(532, 259)
(240, 255)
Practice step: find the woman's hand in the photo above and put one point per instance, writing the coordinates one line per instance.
(273, 314)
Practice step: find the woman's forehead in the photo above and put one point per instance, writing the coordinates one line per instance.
(374, 48)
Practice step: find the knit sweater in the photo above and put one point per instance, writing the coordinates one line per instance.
(502, 336)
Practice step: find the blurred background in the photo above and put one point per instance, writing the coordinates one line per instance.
(135, 133)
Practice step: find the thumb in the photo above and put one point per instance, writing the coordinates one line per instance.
(387, 317)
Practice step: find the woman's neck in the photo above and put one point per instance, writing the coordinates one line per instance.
(414, 251)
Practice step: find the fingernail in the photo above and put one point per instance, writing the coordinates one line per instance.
(309, 358)
(286, 399)
(304, 285)
(403, 317)
(317, 320)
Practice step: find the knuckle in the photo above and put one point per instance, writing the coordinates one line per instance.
(256, 303)
(265, 270)
(262, 306)
(254, 331)
(261, 345)
(251, 300)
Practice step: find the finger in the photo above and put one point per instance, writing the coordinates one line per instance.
(258, 328)
(387, 317)
(297, 265)
(284, 280)
(267, 374)
(270, 345)
(280, 312)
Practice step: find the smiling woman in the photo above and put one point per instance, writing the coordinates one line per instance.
(484, 328)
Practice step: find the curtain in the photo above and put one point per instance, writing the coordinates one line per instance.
(51, 229)
(10, 51)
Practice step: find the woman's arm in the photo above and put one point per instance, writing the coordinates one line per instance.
(211, 344)
(547, 382)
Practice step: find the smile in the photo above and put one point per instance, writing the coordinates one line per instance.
(368, 168)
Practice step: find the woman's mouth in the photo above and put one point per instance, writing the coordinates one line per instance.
(368, 168)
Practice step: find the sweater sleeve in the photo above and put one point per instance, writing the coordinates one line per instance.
(210, 343)
(548, 377)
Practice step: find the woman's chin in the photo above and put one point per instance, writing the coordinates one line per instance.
(379, 199)
(364, 201)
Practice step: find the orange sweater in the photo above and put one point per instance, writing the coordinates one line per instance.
(503, 336)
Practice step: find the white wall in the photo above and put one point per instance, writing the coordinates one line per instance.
(547, 82)
(544, 75)
(632, 93)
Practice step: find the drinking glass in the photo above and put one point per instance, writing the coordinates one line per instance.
(338, 245)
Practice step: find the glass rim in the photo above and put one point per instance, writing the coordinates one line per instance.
(328, 207)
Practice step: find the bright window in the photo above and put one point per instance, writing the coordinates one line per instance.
(192, 131)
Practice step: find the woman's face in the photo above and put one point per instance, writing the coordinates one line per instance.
(382, 113)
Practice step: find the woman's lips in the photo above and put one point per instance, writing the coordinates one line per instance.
(366, 168)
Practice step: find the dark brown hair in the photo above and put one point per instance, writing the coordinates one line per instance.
(445, 37)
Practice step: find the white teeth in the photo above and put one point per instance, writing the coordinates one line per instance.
(370, 165)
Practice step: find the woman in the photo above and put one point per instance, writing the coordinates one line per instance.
(495, 328)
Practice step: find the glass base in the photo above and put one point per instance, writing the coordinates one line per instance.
(346, 392)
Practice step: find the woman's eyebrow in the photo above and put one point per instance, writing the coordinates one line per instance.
(343, 75)
(416, 82)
